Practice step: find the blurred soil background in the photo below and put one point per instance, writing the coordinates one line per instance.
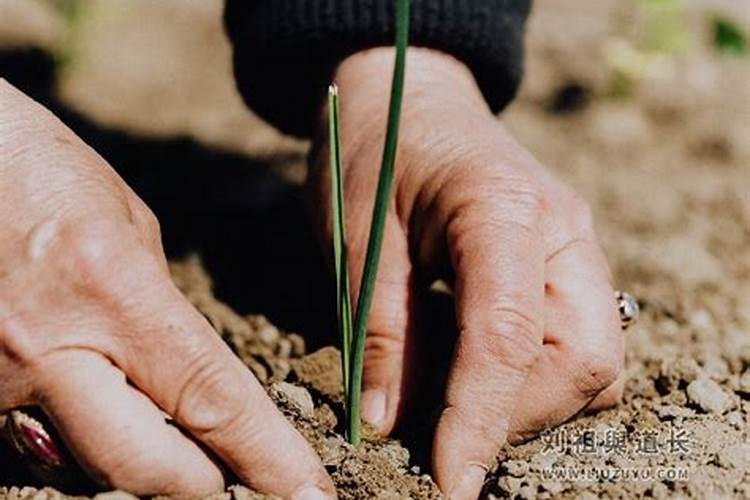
(643, 105)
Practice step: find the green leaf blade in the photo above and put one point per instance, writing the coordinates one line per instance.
(375, 242)
(340, 251)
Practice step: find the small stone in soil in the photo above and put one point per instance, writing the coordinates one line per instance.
(268, 334)
(115, 495)
(736, 456)
(554, 487)
(527, 492)
(516, 468)
(333, 451)
(736, 420)
(509, 484)
(295, 396)
(709, 396)
(242, 493)
(660, 490)
(670, 412)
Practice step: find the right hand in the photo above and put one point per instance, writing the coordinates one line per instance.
(94, 332)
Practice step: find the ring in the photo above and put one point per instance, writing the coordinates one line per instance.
(35, 447)
(628, 307)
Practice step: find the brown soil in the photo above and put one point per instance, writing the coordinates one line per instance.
(667, 171)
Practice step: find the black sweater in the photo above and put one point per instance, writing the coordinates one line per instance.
(285, 51)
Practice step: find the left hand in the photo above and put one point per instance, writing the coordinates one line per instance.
(539, 334)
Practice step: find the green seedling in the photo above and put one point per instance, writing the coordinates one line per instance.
(353, 328)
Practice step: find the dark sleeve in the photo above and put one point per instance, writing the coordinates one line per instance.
(285, 51)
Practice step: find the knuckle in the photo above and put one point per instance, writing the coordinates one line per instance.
(527, 194)
(383, 345)
(98, 257)
(94, 249)
(513, 192)
(515, 340)
(145, 219)
(210, 400)
(16, 344)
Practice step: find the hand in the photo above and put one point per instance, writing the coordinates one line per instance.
(93, 331)
(539, 336)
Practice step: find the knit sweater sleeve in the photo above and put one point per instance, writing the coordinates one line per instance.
(285, 51)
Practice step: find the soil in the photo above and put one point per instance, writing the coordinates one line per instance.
(665, 166)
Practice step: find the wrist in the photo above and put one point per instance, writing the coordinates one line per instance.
(433, 79)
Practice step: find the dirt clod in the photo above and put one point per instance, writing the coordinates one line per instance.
(709, 396)
(321, 371)
(736, 456)
(294, 396)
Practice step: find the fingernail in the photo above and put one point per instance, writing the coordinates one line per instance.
(373, 406)
(311, 493)
(469, 483)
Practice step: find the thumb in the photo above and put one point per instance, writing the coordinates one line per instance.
(388, 327)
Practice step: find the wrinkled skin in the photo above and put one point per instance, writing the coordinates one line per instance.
(93, 331)
(539, 334)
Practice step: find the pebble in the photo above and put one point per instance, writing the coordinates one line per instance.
(509, 484)
(736, 456)
(268, 334)
(715, 367)
(736, 420)
(527, 492)
(40, 495)
(297, 397)
(115, 495)
(709, 396)
(669, 412)
(394, 453)
(554, 487)
(243, 493)
(333, 451)
(516, 468)
(659, 491)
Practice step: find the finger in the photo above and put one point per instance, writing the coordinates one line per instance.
(499, 265)
(117, 434)
(391, 319)
(182, 364)
(583, 351)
